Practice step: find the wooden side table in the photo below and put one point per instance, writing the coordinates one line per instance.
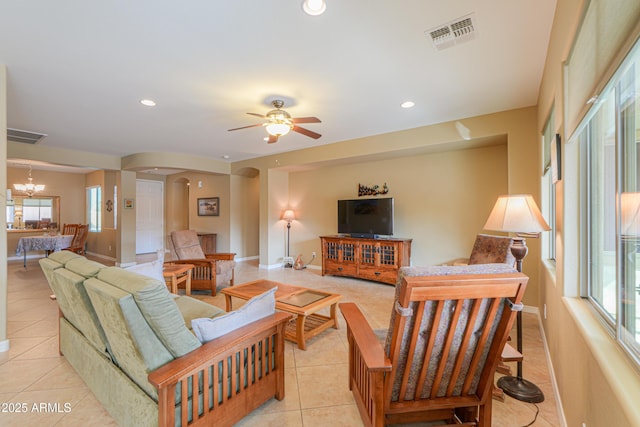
(175, 274)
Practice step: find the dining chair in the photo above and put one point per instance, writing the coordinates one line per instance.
(79, 239)
(69, 229)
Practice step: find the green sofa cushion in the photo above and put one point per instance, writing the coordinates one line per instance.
(84, 267)
(191, 308)
(48, 266)
(74, 303)
(133, 343)
(157, 306)
(64, 256)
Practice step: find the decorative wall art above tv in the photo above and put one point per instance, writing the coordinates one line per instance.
(364, 190)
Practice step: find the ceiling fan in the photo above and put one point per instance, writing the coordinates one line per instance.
(280, 123)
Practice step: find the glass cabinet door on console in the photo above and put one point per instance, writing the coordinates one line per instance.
(379, 260)
(341, 257)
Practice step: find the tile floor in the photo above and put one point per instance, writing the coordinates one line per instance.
(33, 373)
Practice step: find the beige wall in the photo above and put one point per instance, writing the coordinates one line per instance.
(597, 384)
(68, 186)
(516, 128)
(245, 218)
(212, 186)
(103, 242)
(441, 200)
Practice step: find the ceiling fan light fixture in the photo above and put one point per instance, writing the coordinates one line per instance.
(278, 129)
(314, 7)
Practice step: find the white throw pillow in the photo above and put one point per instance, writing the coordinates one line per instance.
(151, 269)
(263, 305)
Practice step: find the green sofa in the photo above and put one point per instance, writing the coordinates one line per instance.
(129, 340)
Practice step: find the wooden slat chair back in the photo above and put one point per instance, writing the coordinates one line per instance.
(79, 239)
(445, 340)
(70, 229)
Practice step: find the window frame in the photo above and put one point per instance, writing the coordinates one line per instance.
(591, 131)
(548, 202)
(94, 208)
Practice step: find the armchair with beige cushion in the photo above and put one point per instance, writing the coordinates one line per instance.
(211, 270)
(489, 249)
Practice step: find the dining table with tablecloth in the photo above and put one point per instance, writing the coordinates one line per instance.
(45, 243)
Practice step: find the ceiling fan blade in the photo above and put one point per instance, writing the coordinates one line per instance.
(306, 120)
(306, 132)
(245, 127)
(257, 115)
(272, 139)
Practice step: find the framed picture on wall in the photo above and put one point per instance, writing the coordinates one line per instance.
(128, 203)
(556, 159)
(209, 206)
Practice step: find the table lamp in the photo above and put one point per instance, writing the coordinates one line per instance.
(518, 214)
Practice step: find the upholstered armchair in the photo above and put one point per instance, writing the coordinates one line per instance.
(489, 249)
(444, 341)
(211, 270)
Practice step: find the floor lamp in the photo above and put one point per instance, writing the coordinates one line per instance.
(518, 214)
(288, 216)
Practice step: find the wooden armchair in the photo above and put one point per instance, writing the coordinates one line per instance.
(79, 239)
(444, 342)
(69, 229)
(210, 270)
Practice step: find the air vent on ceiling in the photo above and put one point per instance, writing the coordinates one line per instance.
(454, 32)
(24, 136)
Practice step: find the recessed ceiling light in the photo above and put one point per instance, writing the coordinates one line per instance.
(314, 7)
(226, 156)
(148, 102)
(407, 104)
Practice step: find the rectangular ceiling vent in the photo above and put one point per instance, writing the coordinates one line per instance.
(457, 31)
(24, 136)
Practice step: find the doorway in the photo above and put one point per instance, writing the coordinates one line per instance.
(149, 216)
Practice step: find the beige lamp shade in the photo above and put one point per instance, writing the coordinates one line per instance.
(630, 214)
(289, 215)
(516, 213)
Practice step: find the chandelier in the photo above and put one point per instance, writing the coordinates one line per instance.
(29, 188)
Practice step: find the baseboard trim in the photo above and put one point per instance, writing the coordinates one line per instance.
(4, 346)
(97, 255)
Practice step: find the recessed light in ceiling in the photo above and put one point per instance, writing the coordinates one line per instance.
(148, 102)
(226, 157)
(314, 7)
(407, 104)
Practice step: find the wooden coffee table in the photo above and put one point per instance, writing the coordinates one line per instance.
(303, 302)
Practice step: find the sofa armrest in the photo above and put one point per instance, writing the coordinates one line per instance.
(222, 256)
(362, 336)
(209, 262)
(243, 394)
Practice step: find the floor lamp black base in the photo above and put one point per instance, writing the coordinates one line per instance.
(521, 389)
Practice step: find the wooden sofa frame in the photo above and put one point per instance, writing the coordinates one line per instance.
(255, 382)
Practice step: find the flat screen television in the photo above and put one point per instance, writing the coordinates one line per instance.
(366, 217)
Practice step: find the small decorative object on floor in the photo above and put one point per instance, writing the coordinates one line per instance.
(363, 190)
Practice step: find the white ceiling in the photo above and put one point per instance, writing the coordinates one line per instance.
(77, 70)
